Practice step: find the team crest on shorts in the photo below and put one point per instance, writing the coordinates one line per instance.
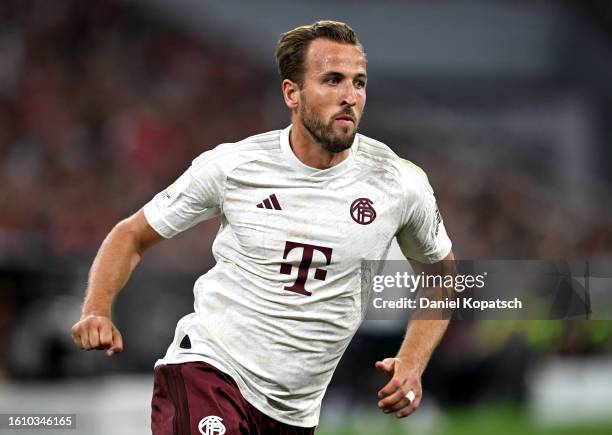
(362, 211)
(211, 425)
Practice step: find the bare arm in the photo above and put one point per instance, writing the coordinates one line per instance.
(117, 257)
(421, 339)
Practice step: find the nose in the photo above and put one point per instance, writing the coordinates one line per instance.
(349, 94)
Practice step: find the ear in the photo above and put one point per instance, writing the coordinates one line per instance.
(291, 93)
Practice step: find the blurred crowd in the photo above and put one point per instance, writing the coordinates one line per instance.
(100, 108)
(501, 204)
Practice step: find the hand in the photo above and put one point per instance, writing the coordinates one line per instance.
(97, 332)
(394, 395)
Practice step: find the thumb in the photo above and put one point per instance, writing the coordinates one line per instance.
(117, 345)
(387, 365)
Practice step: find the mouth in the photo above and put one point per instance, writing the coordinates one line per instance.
(345, 119)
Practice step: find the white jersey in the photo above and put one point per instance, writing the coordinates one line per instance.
(284, 300)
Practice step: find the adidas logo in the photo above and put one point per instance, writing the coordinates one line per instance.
(271, 202)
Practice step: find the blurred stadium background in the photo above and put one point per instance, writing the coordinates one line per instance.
(506, 104)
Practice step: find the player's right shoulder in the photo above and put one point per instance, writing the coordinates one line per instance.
(227, 156)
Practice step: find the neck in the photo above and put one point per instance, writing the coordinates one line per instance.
(309, 151)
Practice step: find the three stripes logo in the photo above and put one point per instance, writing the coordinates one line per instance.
(271, 202)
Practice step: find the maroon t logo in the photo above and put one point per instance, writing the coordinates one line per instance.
(304, 267)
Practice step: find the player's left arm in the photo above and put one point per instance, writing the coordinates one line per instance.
(403, 393)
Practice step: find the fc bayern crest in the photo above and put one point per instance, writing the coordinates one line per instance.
(362, 211)
(211, 425)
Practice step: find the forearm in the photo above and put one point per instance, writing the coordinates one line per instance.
(428, 326)
(116, 259)
(422, 337)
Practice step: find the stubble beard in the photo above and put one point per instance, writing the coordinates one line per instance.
(324, 133)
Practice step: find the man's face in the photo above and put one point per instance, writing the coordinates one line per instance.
(333, 93)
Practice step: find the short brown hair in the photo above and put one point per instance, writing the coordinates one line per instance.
(293, 45)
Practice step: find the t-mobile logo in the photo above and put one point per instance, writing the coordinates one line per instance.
(304, 267)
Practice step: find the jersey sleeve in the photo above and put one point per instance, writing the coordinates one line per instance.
(194, 197)
(422, 235)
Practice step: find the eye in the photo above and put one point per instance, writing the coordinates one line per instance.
(333, 81)
(360, 84)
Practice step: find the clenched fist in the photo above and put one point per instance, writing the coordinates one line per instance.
(97, 332)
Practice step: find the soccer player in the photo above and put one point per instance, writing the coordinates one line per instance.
(300, 208)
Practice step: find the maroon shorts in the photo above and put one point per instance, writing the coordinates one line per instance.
(197, 399)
